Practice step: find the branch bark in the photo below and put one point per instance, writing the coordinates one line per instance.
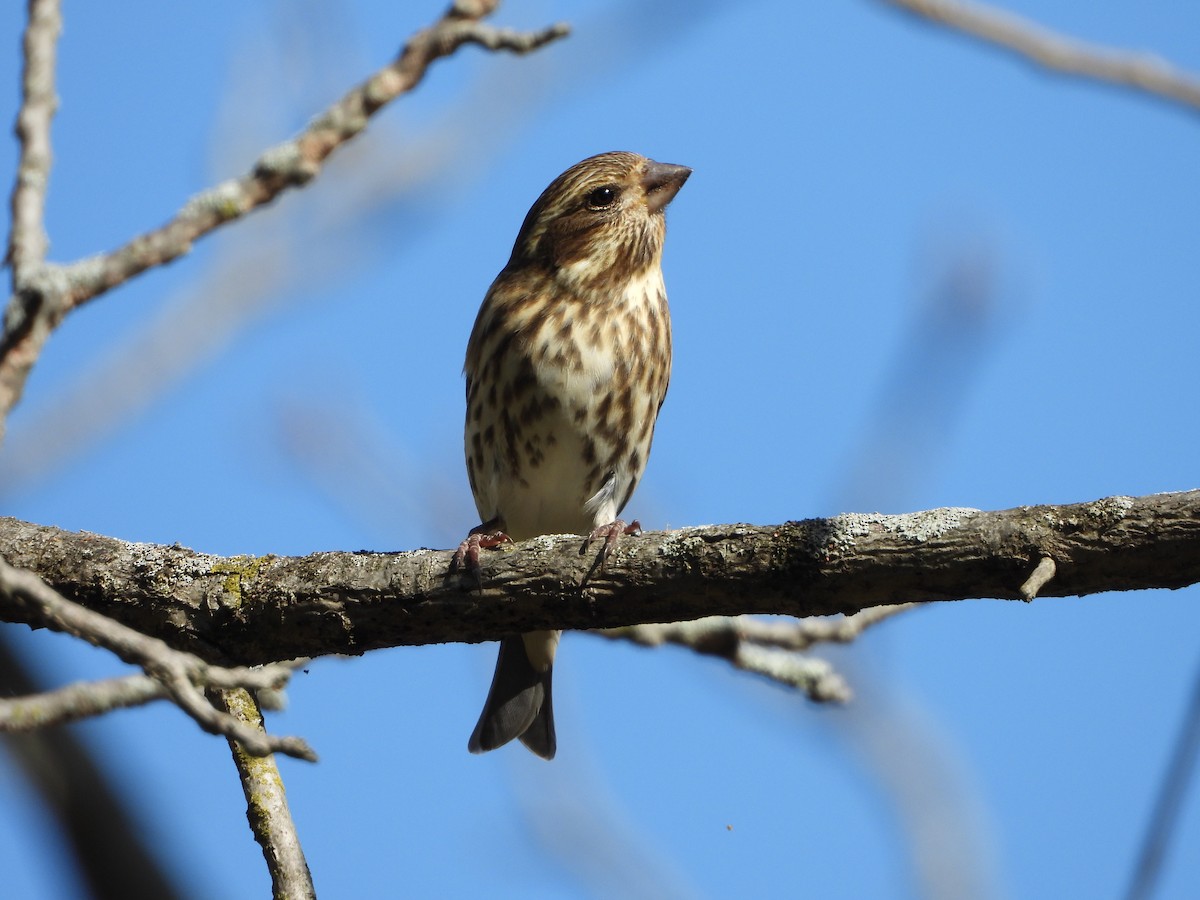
(182, 675)
(252, 610)
(78, 701)
(27, 241)
(266, 804)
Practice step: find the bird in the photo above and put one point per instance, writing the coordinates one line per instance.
(566, 369)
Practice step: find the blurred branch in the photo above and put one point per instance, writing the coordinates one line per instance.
(1172, 791)
(951, 332)
(110, 846)
(785, 635)
(44, 294)
(261, 609)
(77, 701)
(266, 804)
(183, 676)
(297, 161)
(768, 648)
(351, 460)
(1137, 71)
(927, 783)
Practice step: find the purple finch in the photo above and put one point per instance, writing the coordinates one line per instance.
(566, 368)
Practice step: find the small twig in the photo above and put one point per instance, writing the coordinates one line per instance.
(784, 634)
(266, 803)
(1038, 578)
(78, 701)
(29, 317)
(803, 633)
(27, 241)
(765, 647)
(768, 647)
(180, 674)
(815, 677)
(1137, 71)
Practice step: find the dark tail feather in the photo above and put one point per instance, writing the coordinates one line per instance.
(518, 705)
(539, 736)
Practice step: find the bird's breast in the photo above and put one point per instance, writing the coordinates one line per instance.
(568, 433)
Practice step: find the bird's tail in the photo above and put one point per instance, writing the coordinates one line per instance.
(518, 704)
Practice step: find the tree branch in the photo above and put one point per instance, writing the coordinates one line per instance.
(77, 701)
(182, 675)
(791, 635)
(44, 294)
(27, 242)
(297, 161)
(772, 649)
(252, 610)
(266, 805)
(1137, 71)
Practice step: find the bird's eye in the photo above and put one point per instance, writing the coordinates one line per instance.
(602, 197)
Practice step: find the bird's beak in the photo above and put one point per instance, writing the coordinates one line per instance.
(661, 182)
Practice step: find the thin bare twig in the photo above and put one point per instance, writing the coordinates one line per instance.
(770, 648)
(266, 804)
(792, 635)
(181, 674)
(27, 243)
(802, 634)
(78, 701)
(29, 319)
(1137, 71)
(815, 677)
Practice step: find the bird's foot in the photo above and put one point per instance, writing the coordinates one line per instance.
(481, 537)
(612, 533)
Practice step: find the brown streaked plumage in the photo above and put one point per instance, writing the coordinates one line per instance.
(566, 368)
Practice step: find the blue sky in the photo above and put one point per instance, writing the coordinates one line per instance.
(908, 272)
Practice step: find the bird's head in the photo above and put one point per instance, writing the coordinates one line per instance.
(602, 218)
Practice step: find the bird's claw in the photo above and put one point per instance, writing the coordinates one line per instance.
(612, 533)
(482, 537)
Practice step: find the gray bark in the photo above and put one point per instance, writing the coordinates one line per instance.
(251, 610)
